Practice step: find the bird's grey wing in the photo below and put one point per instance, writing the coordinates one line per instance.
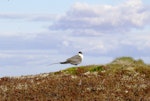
(75, 58)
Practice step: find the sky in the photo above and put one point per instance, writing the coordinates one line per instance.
(35, 33)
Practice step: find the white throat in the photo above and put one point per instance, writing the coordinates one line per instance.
(80, 55)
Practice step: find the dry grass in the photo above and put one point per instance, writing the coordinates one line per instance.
(125, 79)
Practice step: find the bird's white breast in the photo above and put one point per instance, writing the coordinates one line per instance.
(81, 56)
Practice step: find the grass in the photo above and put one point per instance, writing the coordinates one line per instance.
(124, 79)
(83, 69)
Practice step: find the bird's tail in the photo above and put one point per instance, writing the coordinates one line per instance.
(64, 62)
(54, 63)
(58, 63)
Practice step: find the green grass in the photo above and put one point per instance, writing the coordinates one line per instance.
(72, 70)
(129, 59)
(96, 68)
(143, 70)
(83, 69)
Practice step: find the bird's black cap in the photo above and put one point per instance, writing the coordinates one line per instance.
(80, 52)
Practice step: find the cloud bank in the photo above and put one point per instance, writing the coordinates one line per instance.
(95, 29)
(29, 17)
(104, 18)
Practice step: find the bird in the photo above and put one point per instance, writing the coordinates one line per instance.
(74, 60)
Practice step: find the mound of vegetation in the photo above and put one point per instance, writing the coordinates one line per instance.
(124, 79)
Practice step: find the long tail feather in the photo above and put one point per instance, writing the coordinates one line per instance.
(59, 63)
(64, 62)
(54, 63)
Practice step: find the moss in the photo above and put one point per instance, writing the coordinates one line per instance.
(143, 70)
(140, 62)
(71, 70)
(96, 69)
(124, 58)
(83, 69)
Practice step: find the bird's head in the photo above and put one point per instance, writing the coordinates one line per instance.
(80, 52)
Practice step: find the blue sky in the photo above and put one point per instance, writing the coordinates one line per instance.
(35, 33)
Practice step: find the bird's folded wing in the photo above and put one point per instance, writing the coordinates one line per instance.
(75, 58)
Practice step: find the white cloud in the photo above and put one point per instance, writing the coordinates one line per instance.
(29, 17)
(106, 29)
(26, 57)
(141, 41)
(104, 18)
(11, 16)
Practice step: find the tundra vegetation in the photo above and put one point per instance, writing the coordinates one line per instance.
(124, 79)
